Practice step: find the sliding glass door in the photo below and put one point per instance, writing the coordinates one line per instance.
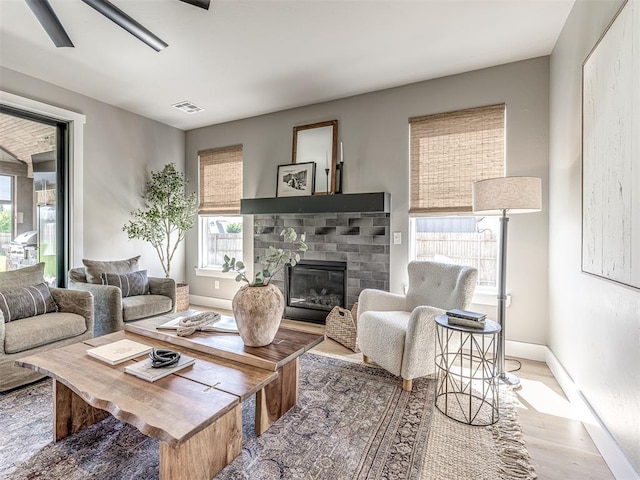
(33, 194)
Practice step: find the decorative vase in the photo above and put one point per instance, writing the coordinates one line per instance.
(258, 312)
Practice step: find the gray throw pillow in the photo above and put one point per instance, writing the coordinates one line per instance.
(95, 268)
(134, 283)
(24, 302)
(23, 277)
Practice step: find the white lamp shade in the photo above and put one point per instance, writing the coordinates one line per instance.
(514, 194)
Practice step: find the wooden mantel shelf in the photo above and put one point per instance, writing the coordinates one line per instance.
(338, 203)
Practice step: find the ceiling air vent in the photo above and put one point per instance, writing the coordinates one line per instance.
(188, 107)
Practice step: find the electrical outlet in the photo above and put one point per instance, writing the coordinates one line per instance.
(397, 238)
(216, 284)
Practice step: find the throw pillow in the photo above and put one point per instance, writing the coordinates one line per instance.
(134, 283)
(23, 277)
(24, 302)
(95, 268)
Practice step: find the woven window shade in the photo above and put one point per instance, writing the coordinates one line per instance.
(220, 181)
(450, 151)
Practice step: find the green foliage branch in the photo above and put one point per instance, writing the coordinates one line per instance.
(272, 262)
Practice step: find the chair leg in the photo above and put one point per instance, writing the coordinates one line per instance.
(407, 385)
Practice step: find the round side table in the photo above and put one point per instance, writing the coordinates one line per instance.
(466, 373)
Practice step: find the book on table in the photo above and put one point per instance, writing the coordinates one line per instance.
(118, 352)
(464, 322)
(466, 314)
(224, 324)
(145, 371)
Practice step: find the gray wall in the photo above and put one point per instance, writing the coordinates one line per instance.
(120, 149)
(374, 131)
(594, 323)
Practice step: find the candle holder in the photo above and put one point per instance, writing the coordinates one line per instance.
(326, 172)
(339, 176)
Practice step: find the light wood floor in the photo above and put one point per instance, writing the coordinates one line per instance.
(559, 445)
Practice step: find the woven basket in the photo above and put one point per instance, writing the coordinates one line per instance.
(182, 297)
(342, 326)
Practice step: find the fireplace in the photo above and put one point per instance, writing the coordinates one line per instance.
(313, 287)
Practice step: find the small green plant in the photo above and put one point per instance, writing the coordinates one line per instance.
(234, 228)
(169, 212)
(274, 260)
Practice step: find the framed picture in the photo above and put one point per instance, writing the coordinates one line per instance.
(296, 179)
(611, 152)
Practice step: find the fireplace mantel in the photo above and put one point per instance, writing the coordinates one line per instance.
(338, 203)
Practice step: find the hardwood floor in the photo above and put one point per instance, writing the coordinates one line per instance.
(559, 445)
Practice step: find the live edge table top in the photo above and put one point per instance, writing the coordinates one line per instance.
(287, 345)
(172, 409)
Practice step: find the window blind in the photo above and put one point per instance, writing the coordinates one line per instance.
(450, 151)
(220, 180)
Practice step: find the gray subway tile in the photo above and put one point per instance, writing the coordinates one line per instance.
(361, 240)
(361, 222)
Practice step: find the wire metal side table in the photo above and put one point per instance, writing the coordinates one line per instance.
(467, 386)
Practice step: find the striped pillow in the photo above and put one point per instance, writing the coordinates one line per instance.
(134, 283)
(24, 302)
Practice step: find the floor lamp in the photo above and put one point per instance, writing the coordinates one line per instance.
(499, 196)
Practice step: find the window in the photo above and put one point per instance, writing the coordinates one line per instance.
(450, 151)
(219, 236)
(471, 241)
(220, 187)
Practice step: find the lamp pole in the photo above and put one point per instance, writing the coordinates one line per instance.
(505, 377)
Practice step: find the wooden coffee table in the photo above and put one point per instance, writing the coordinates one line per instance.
(281, 356)
(189, 410)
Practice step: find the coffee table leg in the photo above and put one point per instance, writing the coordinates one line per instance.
(275, 399)
(71, 413)
(206, 453)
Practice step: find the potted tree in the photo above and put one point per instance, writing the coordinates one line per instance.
(258, 306)
(167, 215)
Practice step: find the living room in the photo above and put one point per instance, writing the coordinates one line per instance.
(584, 327)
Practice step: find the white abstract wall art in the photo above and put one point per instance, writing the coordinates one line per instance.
(611, 151)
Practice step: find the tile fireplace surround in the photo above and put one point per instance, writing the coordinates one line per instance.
(360, 239)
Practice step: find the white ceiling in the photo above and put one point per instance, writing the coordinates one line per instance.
(243, 58)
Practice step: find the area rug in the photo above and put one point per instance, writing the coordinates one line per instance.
(351, 422)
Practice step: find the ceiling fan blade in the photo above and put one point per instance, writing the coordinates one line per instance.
(123, 20)
(198, 3)
(49, 20)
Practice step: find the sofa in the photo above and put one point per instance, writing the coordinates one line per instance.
(61, 317)
(122, 292)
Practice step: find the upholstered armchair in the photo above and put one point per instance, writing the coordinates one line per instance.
(118, 301)
(398, 331)
(58, 317)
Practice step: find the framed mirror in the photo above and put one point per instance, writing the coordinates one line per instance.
(318, 143)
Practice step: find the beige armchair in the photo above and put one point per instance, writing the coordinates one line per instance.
(72, 323)
(112, 309)
(398, 331)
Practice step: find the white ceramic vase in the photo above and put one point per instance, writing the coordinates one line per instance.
(258, 312)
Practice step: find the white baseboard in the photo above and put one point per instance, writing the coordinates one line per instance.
(530, 351)
(210, 302)
(611, 452)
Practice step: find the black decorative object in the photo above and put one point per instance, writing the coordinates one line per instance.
(339, 177)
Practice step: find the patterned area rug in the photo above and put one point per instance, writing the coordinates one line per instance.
(351, 422)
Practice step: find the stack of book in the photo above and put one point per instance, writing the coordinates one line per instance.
(117, 352)
(466, 318)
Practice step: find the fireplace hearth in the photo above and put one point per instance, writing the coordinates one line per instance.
(313, 287)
